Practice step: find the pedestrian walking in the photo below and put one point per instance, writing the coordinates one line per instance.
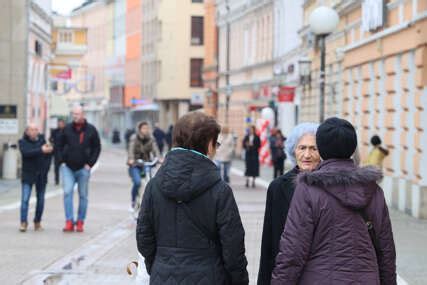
(36, 157)
(377, 154)
(160, 137)
(224, 153)
(338, 229)
(251, 145)
(141, 146)
(116, 137)
(189, 229)
(79, 149)
(278, 155)
(302, 151)
(54, 140)
(169, 137)
(128, 134)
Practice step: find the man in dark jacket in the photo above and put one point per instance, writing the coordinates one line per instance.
(189, 228)
(54, 139)
(160, 137)
(328, 238)
(35, 166)
(79, 149)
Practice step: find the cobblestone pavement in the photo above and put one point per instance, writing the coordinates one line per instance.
(101, 253)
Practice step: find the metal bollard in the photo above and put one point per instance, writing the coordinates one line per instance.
(10, 161)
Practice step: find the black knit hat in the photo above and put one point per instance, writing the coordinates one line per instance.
(336, 138)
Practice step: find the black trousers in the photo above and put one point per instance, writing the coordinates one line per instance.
(56, 167)
(279, 167)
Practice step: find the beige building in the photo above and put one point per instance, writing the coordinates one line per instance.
(98, 18)
(249, 64)
(25, 28)
(377, 78)
(172, 56)
(67, 76)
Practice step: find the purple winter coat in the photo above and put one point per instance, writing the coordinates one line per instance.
(326, 240)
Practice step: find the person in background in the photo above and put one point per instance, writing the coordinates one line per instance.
(224, 153)
(36, 157)
(116, 137)
(302, 152)
(169, 137)
(338, 229)
(278, 155)
(128, 134)
(189, 229)
(54, 140)
(79, 149)
(141, 146)
(160, 137)
(377, 154)
(251, 145)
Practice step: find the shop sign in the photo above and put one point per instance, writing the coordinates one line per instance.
(8, 120)
(286, 94)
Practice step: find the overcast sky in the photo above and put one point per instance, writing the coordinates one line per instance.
(65, 6)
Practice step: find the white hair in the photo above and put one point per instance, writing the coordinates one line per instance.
(295, 136)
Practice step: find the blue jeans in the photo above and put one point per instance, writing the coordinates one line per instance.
(135, 175)
(25, 199)
(224, 167)
(69, 180)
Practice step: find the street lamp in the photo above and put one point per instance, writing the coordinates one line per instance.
(323, 21)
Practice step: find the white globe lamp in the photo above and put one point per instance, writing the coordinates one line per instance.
(323, 20)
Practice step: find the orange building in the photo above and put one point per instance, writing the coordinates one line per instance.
(210, 69)
(133, 52)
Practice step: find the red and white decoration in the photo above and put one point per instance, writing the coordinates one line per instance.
(263, 126)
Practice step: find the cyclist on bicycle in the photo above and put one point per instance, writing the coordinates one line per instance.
(142, 146)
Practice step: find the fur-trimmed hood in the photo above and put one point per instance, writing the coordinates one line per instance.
(351, 185)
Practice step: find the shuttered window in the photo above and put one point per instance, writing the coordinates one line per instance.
(196, 72)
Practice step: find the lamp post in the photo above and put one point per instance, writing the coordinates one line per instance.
(323, 21)
(227, 75)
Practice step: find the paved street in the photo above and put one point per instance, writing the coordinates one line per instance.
(100, 255)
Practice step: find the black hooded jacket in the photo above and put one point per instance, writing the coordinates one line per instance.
(177, 250)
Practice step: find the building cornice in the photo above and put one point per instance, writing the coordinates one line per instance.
(247, 68)
(241, 11)
(41, 13)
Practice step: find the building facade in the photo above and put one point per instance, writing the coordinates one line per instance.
(39, 43)
(210, 64)
(172, 56)
(97, 17)
(286, 51)
(69, 44)
(245, 61)
(376, 78)
(24, 55)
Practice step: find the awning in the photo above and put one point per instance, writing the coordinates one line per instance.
(146, 107)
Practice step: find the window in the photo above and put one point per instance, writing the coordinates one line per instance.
(196, 30)
(196, 72)
(38, 48)
(65, 37)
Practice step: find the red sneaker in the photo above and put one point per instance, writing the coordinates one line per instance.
(79, 226)
(69, 226)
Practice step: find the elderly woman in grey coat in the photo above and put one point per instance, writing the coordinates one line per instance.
(301, 150)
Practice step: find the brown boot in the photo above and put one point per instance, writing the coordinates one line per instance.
(38, 227)
(23, 227)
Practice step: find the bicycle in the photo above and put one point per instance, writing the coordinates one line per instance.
(146, 173)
